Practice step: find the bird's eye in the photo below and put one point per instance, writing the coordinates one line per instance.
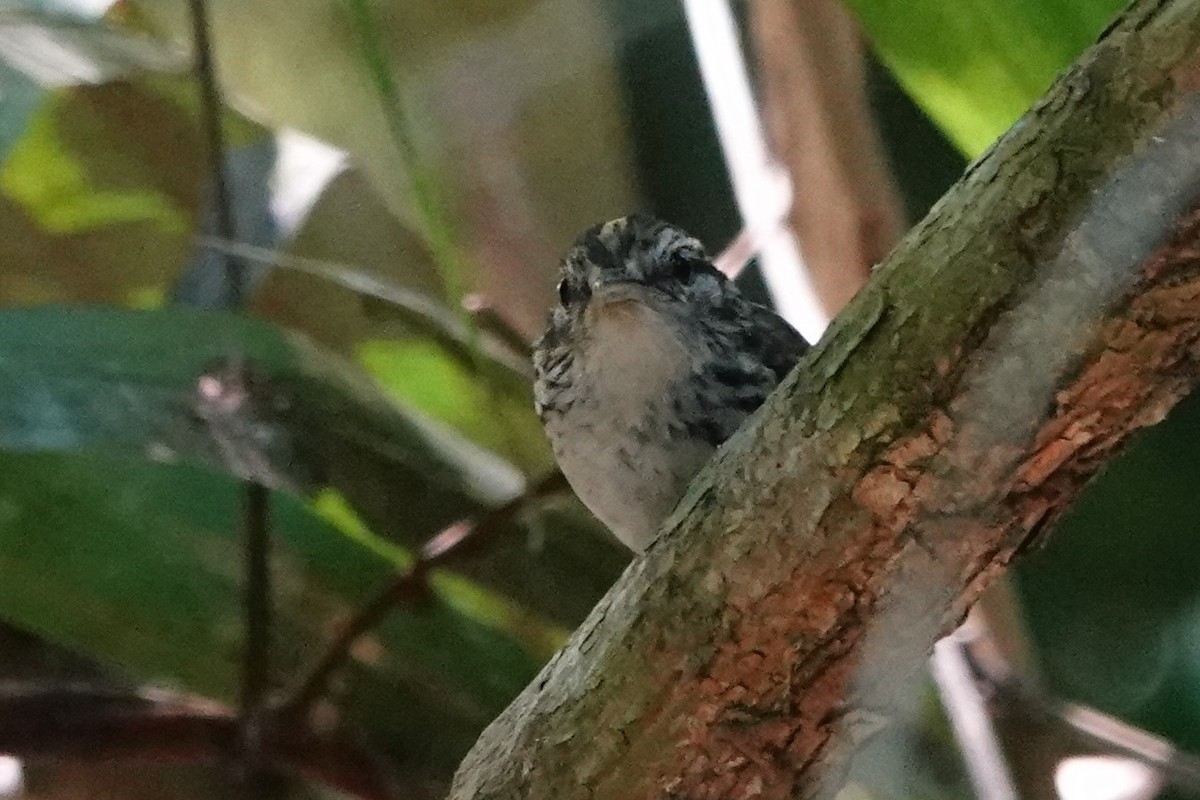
(564, 292)
(681, 267)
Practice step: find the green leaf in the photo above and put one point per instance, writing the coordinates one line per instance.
(497, 413)
(139, 565)
(240, 395)
(975, 66)
(47, 180)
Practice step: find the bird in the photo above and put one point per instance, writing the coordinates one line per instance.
(650, 360)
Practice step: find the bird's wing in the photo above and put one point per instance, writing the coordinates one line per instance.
(778, 344)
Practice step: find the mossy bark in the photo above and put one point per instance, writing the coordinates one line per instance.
(1047, 308)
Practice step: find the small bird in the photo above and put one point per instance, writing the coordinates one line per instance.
(650, 361)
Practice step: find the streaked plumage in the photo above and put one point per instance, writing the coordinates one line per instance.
(650, 361)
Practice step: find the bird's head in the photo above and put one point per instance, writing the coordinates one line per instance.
(637, 260)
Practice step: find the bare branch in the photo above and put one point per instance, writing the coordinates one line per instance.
(83, 723)
(452, 543)
(1048, 308)
(845, 209)
(256, 511)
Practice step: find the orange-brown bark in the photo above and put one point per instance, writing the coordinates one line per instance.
(1047, 309)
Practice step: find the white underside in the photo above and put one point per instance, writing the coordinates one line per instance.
(613, 445)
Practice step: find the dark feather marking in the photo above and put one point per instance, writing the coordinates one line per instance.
(730, 375)
(707, 430)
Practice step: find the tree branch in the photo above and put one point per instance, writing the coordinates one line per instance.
(63, 722)
(1047, 308)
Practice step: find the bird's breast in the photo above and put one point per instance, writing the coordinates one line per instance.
(621, 441)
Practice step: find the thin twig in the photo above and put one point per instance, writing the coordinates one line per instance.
(760, 187)
(354, 277)
(258, 603)
(414, 307)
(490, 320)
(210, 100)
(311, 687)
(966, 707)
(452, 543)
(1095, 729)
(1178, 767)
(256, 509)
(737, 254)
(256, 663)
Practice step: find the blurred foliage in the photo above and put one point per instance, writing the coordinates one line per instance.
(1113, 598)
(102, 211)
(976, 65)
(378, 415)
(358, 389)
(511, 111)
(138, 565)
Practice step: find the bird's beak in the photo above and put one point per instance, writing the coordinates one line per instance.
(614, 297)
(607, 279)
(614, 289)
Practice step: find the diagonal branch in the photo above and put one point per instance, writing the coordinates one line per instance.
(1047, 309)
(454, 542)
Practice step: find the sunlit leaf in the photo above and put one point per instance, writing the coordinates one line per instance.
(46, 179)
(498, 417)
(977, 65)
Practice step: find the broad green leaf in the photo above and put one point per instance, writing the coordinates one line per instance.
(239, 394)
(45, 178)
(138, 565)
(976, 65)
(245, 397)
(102, 165)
